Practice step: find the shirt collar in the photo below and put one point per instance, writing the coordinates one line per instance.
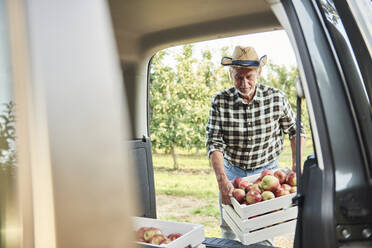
(258, 97)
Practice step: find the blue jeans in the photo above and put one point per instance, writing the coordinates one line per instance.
(232, 172)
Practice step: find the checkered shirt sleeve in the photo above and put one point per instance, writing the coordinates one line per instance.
(215, 141)
(250, 135)
(288, 120)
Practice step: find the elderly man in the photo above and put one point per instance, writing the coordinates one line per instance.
(246, 126)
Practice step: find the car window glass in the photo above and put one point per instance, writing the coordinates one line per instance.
(354, 66)
(337, 29)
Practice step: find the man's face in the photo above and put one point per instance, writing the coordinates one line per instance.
(245, 80)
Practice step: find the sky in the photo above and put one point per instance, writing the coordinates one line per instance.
(5, 80)
(275, 44)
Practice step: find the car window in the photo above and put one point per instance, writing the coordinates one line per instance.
(353, 65)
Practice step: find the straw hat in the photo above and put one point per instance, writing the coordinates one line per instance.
(244, 57)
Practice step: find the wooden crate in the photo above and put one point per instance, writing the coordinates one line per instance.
(192, 234)
(260, 234)
(247, 211)
(262, 220)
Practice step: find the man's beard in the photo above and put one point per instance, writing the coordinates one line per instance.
(251, 91)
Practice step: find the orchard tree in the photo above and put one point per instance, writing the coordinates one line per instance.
(180, 100)
(176, 99)
(8, 156)
(204, 84)
(222, 76)
(165, 110)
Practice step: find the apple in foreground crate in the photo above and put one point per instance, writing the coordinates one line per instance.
(265, 173)
(140, 234)
(253, 196)
(270, 183)
(150, 232)
(165, 241)
(244, 185)
(154, 235)
(293, 189)
(157, 239)
(280, 175)
(174, 236)
(292, 179)
(281, 192)
(236, 182)
(267, 195)
(286, 186)
(254, 187)
(239, 195)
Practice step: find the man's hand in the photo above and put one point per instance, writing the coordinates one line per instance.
(225, 186)
(226, 189)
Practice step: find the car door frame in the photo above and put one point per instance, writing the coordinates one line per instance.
(326, 93)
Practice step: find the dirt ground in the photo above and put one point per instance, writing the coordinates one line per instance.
(181, 208)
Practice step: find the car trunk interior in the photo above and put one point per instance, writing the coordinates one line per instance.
(144, 27)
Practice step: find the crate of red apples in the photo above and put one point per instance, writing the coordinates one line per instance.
(170, 234)
(262, 205)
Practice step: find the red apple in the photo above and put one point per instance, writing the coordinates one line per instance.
(157, 239)
(265, 173)
(150, 232)
(236, 182)
(174, 236)
(286, 186)
(244, 185)
(270, 183)
(267, 195)
(239, 195)
(260, 187)
(280, 175)
(280, 192)
(140, 233)
(293, 189)
(292, 179)
(253, 196)
(254, 187)
(165, 241)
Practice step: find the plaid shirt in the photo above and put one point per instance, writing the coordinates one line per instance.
(250, 135)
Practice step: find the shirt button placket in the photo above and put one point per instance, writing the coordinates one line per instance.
(249, 122)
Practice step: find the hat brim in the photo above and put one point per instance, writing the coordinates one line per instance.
(227, 61)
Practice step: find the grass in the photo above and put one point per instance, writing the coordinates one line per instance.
(185, 161)
(195, 181)
(185, 184)
(209, 210)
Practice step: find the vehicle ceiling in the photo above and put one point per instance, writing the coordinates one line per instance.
(143, 27)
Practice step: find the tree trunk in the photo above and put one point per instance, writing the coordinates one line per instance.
(174, 156)
(197, 152)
